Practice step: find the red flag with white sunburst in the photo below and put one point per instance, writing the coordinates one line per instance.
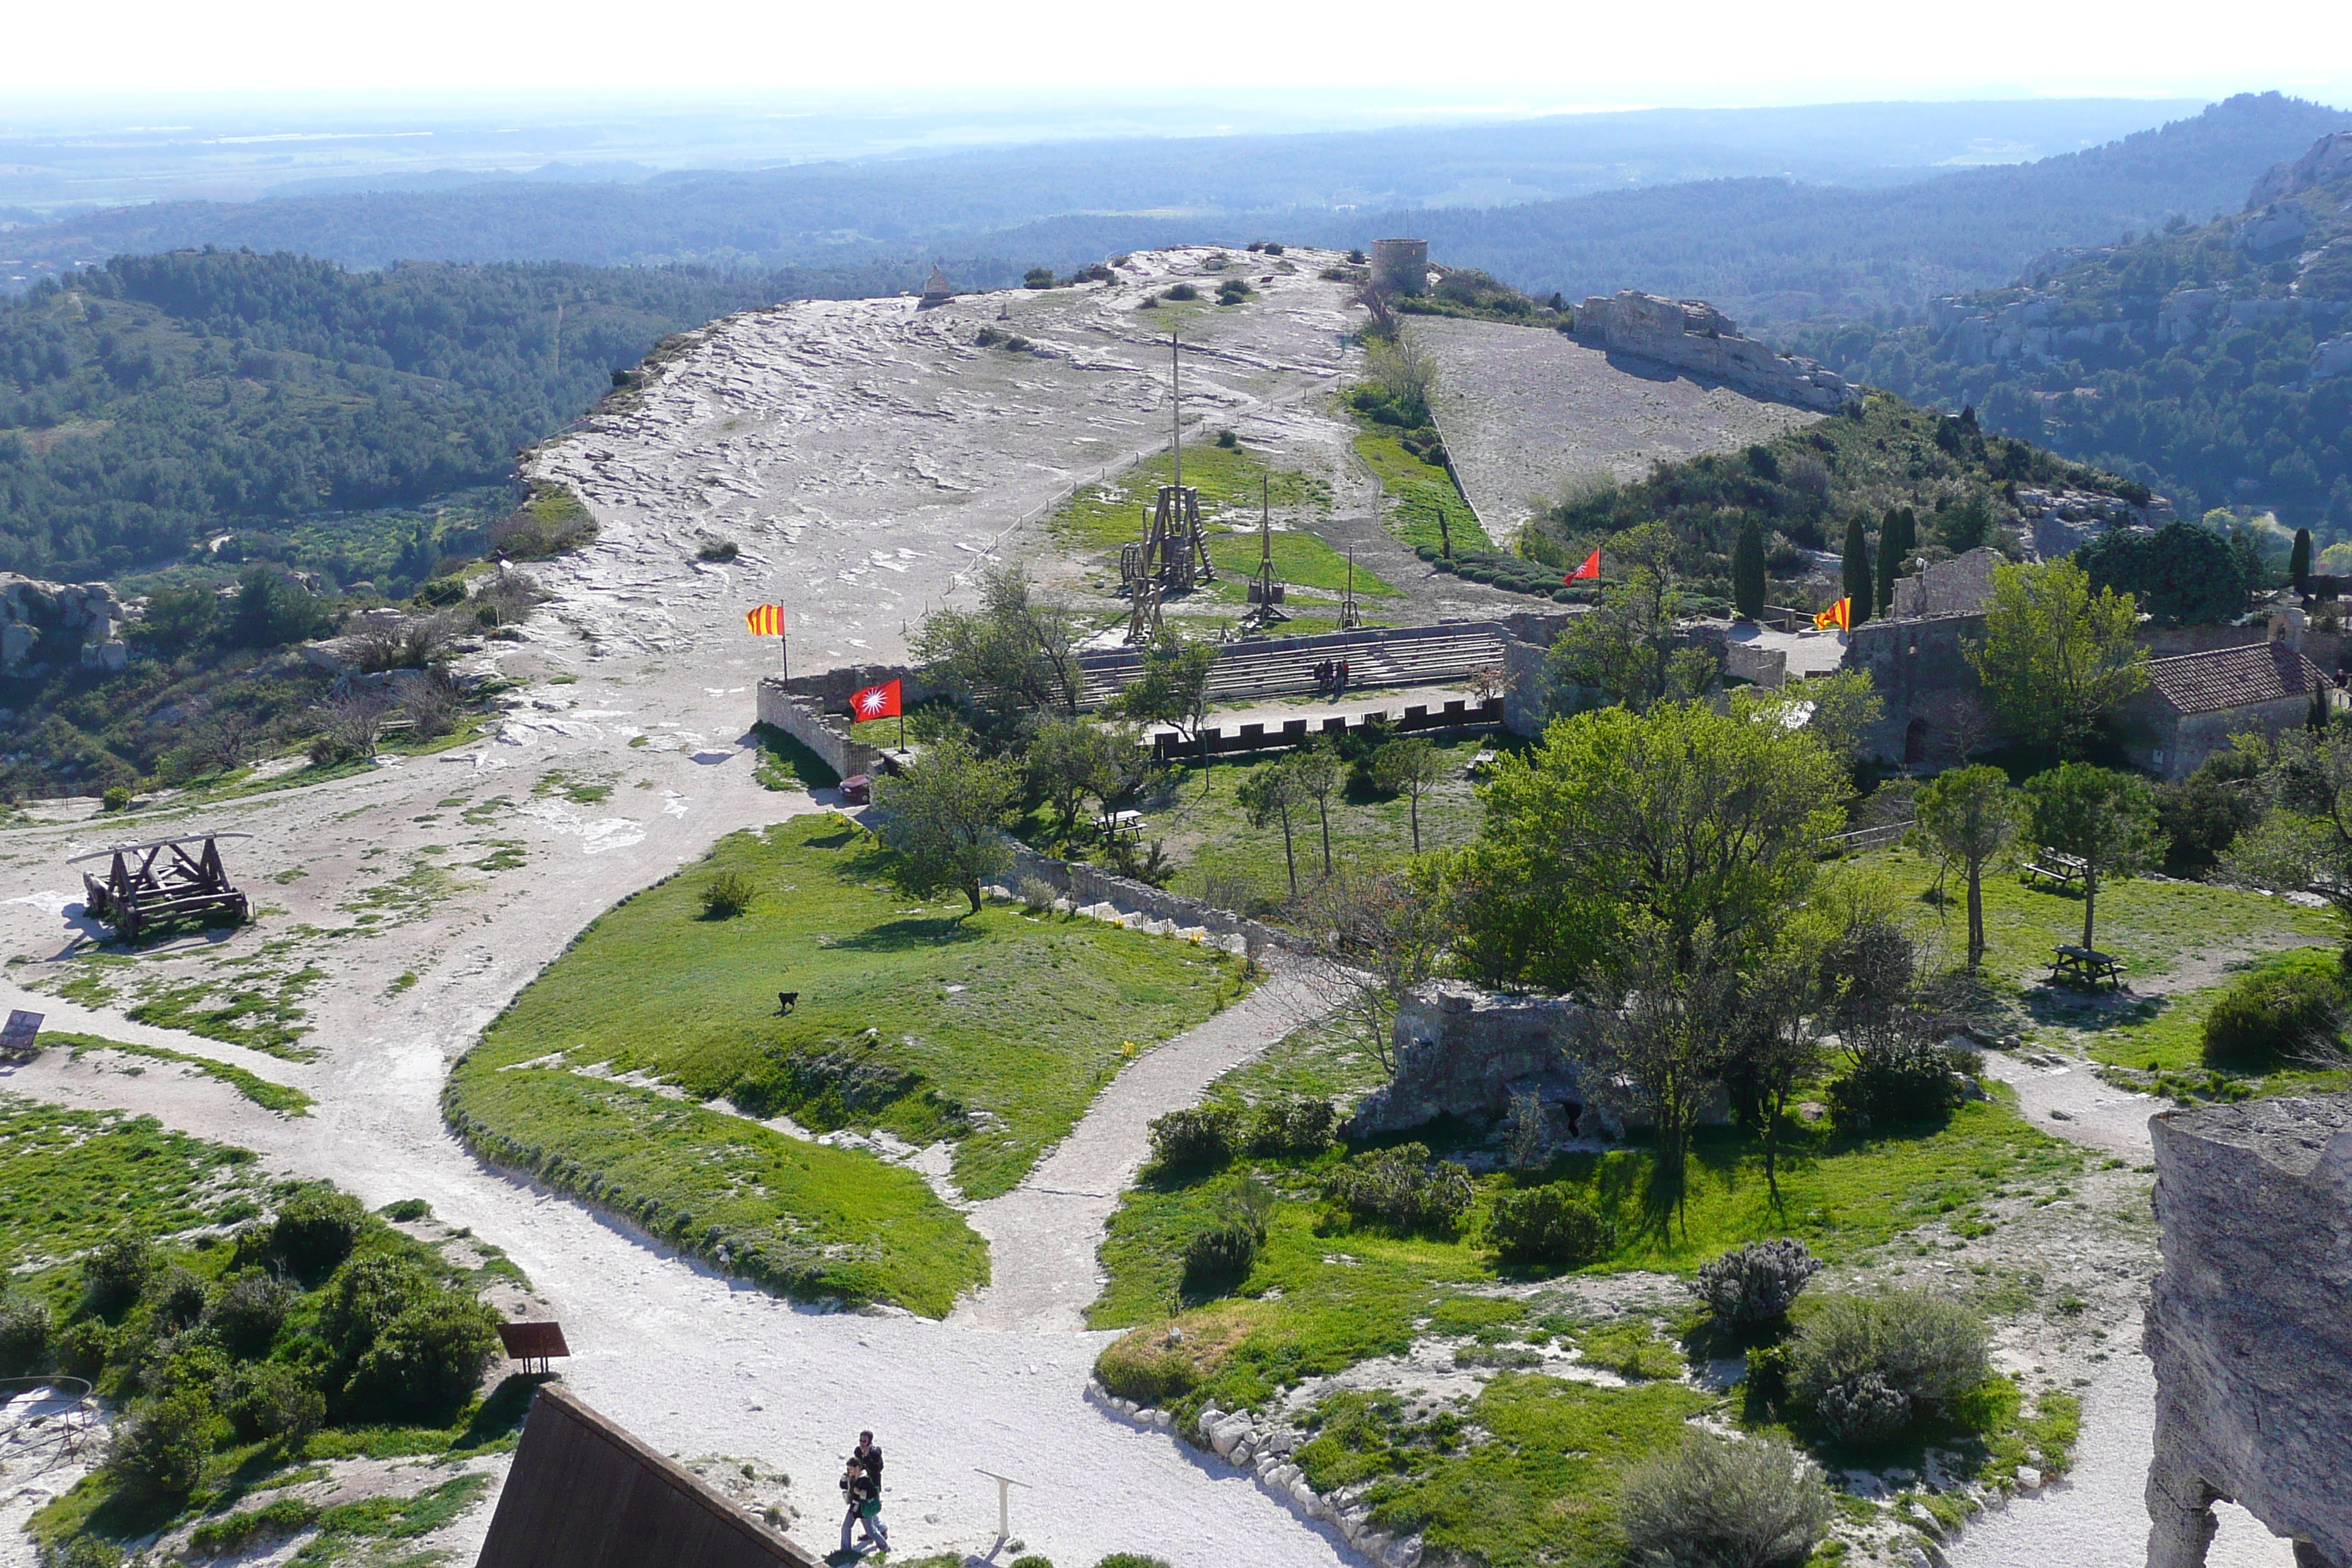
(877, 702)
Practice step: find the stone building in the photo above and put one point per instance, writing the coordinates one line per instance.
(2248, 1332)
(2196, 702)
(1400, 266)
(1691, 335)
(937, 290)
(1465, 1053)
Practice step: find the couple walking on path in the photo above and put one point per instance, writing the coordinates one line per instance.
(861, 1491)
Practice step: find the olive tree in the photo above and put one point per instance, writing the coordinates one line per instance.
(2104, 818)
(943, 820)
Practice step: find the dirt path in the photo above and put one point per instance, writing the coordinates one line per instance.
(2095, 1518)
(1042, 1235)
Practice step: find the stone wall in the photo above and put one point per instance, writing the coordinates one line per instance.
(805, 720)
(1086, 885)
(2248, 1329)
(1691, 335)
(1921, 673)
(1463, 1052)
(1956, 587)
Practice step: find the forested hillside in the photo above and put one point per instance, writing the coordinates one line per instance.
(158, 400)
(1765, 248)
(2189, 358)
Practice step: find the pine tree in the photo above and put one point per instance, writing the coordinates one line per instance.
(2298, 563)
(1858, 569)
(1748, 570)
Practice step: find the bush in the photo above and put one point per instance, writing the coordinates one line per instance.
(114, 1276)
(1553, 1225)
(83, 1347)
(1182, 291)
(364, 1298)
(406, 1210)
(1862, 1410)
(24, 1336)
(1404, 1189)
(1037, 895)
(246, 1311)
(1724, 1503)
(2275, 1014)
(552, 520)
(1189, 1141)
(1130, 1560)
(1753, 1286)
(1037, 278)
(116, 798)
(727, 895)
(1291, 1128)
(1220, 1256)
(1902, 1083)
(1927, 1348)
(426, 1361)
(175, 1298)
(1032, 1560)
(162, 1445)
(272, 1401)
(316, 1230)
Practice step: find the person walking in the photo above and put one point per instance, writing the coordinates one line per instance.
(865, 1463)
(853, 1489)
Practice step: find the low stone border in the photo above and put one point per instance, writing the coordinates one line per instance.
(1264, 1448)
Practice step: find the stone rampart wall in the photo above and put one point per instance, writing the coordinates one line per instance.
(2247, 1331)
(1691, 335)
(805, 720)
(1082, 885)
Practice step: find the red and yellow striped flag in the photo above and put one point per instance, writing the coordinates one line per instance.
(1839, 614)
(764, 620)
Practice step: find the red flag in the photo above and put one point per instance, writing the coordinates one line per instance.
(764, 620)
(1839, 614)
(1590, 571)
(877, 702)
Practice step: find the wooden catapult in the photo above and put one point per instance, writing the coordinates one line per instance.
(143, 889)
(1173, 557)
(1265, 595)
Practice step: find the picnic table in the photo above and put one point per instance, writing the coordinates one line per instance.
(2060, 869)
(1121, 825)
(2084, 968)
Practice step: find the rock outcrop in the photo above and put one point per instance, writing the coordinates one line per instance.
(2247, 1331)
(1691, 335)
(43, 625)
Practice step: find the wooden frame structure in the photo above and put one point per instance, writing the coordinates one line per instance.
(533, 1345)
(138, 893)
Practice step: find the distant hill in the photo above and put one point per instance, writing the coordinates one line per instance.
(2189, 358)
(148, 404)
(1777, 216)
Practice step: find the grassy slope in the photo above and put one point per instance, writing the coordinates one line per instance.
(1018, 1020)
(1415, 494)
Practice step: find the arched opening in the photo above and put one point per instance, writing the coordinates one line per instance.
(1914, 742)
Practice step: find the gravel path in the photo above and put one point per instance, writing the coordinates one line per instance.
(2097, 1518)
(1042, 1235)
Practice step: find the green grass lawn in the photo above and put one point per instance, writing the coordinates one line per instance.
(994, 1031)
(1220, 857)
(1415, 494)
(2150, 925)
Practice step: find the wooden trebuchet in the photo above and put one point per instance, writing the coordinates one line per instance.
(142, 887)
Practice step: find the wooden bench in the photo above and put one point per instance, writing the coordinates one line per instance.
(2084, 968)
(2061, 870)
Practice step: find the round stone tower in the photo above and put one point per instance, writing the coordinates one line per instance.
(1400, 266)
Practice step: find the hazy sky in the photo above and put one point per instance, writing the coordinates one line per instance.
(1701, 52)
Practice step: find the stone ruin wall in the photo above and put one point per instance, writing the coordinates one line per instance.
(1691, 335)
(2250, 1327)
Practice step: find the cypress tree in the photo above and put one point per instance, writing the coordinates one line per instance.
(2298, 563)
(1748, 571)
(1858, 569)
(1890, 557)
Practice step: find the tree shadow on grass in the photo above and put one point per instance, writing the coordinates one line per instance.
(2058, 1007)
(909, 935)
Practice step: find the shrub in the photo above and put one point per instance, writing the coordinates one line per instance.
(1032, 1560)
(1180, 291)
(1037, 278)
(1130, 1560)
(231, 1532)
(2275, 1014)
(727, 895)
(1553, 1225)
(406, 1210)
(1862, 1410)
(316, 1230)
(552, 520)
(1403, 1188)
(116, 798)
(1220, 1256)
(24, 1335)
(162, 1445)
(272, 1401)
(1189, 1141)
(1291, 1128)
(1753, 1286)
(1037, 895)
(83, 1347)
(246, 1312)
(1927, 1348)
(425, 1363)
(1901, 1083)
(716, 548)
(114, 1276)
(1724, 1503)
(175, 1298)
(365, 1295)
